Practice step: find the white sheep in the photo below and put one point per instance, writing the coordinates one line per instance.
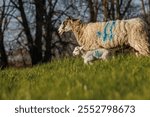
(111, 34)
(92, 55)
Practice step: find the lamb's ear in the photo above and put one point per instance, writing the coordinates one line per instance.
(81, 47)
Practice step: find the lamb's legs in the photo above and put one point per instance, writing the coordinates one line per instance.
(105, 55)
(87, 61)
(90, 63)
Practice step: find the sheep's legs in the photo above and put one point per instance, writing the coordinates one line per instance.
(142, 49)
(139, 41)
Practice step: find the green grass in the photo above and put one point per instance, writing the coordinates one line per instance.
(122, 77)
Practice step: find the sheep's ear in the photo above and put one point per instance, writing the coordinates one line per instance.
(69, 18)
(78, 20)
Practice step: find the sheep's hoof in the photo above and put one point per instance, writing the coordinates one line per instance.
(137, 54)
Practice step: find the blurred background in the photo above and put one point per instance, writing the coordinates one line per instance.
(28, 28)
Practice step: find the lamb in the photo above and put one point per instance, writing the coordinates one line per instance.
(92, 55)
(111, 34)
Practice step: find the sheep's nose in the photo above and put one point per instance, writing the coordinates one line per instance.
(59, 30)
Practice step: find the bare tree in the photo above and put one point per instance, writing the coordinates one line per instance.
(143, 7)
(149, 5)
(93, 6)
(124, 5)
(44, 25)
(118, 9)
(115, 9)
(19, 5)
(40, 11)
(4, 21)
(35, 46)
(49, 12)
(105, 9)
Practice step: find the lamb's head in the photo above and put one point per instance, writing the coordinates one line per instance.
(66, 25)
(77, 50)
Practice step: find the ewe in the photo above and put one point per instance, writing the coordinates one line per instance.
(110, 34)
(92, 55)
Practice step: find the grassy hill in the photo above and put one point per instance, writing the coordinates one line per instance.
(122, 77)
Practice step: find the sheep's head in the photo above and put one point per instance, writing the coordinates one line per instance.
(66, 25)
(77, 51)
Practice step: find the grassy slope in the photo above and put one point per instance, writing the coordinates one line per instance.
(125, 77)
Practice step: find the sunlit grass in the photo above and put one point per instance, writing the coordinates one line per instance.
(122, 77)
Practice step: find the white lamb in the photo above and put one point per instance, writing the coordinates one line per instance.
(92, 55)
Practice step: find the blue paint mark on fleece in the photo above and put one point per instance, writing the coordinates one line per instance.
(99, 34)
(111, 28)
(97, 54)
(105, 35)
